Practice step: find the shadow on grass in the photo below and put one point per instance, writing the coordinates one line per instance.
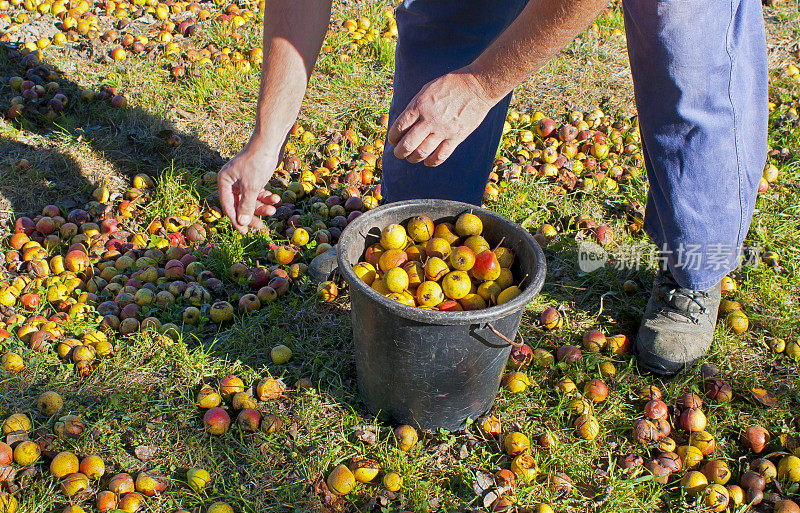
(33, 177)
(599, 292)
(128, 141)
(114, 142)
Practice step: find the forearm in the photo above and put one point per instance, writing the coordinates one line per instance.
(293, 34)
(542, 29)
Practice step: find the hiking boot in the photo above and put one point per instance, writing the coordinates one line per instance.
(677, 326)
(322, 266)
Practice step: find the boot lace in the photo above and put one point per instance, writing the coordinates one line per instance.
(678, 301)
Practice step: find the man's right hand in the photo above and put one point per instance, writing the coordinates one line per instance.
(293, 34)
(241, 188)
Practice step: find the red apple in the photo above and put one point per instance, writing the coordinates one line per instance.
(76, 261)
(594, 340)
(569, 353)
(755, 438)
(216, 421)
(604, 234)
(249, 420)
(119, 101)
(520, 356)
(545, 127)
(693, 419)
(45, 225)
(567, 133)
(689, 400)
(596, 390)
(24, 225)
(656, 409)
(486, 266)
(30, 300)
(174, 270)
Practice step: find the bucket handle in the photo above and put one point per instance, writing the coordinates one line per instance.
(505, 338)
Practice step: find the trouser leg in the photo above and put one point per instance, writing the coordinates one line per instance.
(435, 38)
(700, 79)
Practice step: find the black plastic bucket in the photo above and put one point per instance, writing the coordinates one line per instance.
(429, 368)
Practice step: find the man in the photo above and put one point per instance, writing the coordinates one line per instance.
(700, 80)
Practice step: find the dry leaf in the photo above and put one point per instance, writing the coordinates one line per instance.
(763, 397)
(27, 476)
(16, 437)
(7, 473)
(442, 448)
(494, 494)
(145, 452)
(366, 434)
(483, 482)
(330, 501)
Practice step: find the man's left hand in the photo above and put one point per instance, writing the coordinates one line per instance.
(439, 118)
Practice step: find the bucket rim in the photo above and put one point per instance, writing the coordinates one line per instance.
(423, 315)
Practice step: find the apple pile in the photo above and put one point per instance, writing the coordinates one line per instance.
(783, 119)
(710, 479)
(80, 279)
(37, 94)
(244, 401)
(138, 28)
(110, 268)
(516, 381)
(79, 478)
(678, 447)
(445, 266)
(586, 226)
(731, 312)
(522, 467)
(587, 151)
(342, 479)
(170, 31)
(363, 31)
(71, 269)
(784, 106)
(684, 455)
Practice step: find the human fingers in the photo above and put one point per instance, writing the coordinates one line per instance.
(442, 153)
(425, 148)
(248, 195)
(411, 140)
(227, 197)
(265, 210)
(404, 121)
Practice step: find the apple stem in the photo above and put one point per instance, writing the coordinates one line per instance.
(523, 281)
(499, 243)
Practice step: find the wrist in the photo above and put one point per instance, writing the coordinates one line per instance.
(269, 134)
(486, 89)
(260, 145)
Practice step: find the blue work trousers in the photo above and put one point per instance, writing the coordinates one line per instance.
(700, 80)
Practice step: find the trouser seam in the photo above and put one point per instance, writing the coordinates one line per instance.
(739, 237)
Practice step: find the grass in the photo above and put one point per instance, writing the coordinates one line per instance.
(139, 404)
(175, 193)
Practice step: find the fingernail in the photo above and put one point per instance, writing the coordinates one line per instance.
(244, 220)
